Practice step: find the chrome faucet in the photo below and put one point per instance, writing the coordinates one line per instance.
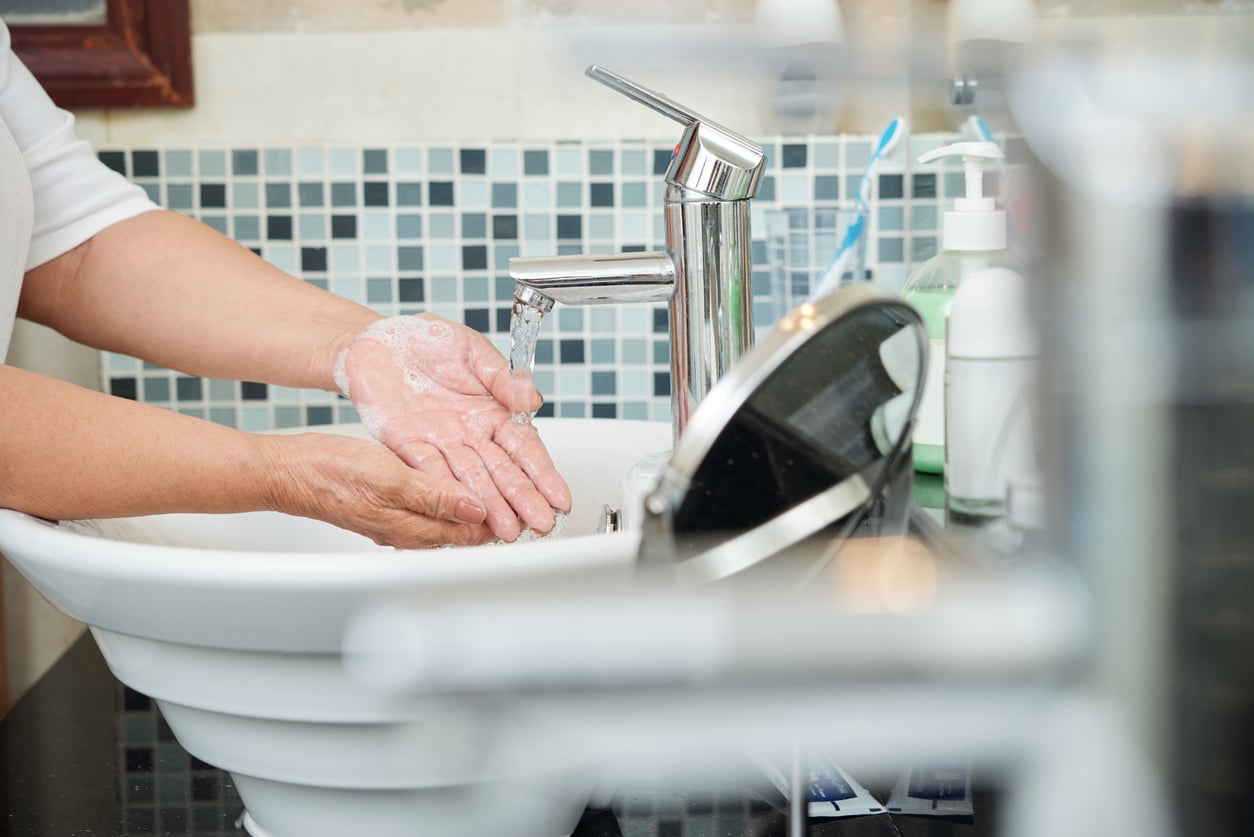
(704, 271)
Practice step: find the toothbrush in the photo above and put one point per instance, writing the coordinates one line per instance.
(831, 276)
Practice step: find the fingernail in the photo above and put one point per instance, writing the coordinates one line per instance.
(468, 511)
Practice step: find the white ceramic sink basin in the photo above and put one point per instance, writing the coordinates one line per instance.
(234, 624)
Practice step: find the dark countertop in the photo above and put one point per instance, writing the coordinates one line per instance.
(84, 756)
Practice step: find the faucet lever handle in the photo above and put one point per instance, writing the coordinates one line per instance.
(710, 159)
(649, 98)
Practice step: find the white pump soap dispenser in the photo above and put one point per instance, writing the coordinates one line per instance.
(992, 358)
(973, 238)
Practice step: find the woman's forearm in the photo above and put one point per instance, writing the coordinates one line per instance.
(68, 452)
(165, 288)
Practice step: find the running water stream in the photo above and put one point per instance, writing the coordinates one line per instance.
(524, 331)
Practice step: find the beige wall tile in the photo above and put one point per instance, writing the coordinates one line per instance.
(344, 15)
(363, 15)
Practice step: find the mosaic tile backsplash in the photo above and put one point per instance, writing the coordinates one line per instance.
(406, 229)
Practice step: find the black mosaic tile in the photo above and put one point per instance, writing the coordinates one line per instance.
(473, 161)
(115, 160)
(892, 186)
(133, 701)
(535, 162)
(474, 257)
(343, 194)
(206, 787)
(546, 410)
(279, 227)
(410, 289)
(313, 259)
(440, 193)
(661, 160)
(374, 161)
(409, 194)
(569, 226)
(793, 156)
(634, 248)
(571, 351)
(244, 162)
(253, 391)
(343, 226)
(601, 194)
(505, 227)
(309, 194)
(139, 760)
(605, 411)
(145, 164)
(374, 194)
(189, 389)
(213, 195)
(923, 185)
(661, 384)
(124, 388)
(661, 321)
(480, 319)
(502, 316)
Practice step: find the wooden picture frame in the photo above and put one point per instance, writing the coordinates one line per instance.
(140, 58)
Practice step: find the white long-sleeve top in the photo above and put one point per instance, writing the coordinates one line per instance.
(54, 193)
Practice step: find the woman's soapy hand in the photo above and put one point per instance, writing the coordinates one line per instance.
(360, 485)
(441, 397)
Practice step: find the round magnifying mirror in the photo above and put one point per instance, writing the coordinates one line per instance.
(797, 442)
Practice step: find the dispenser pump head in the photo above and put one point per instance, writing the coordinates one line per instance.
(975, 222)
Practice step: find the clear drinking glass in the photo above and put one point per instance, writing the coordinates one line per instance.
(800, 245)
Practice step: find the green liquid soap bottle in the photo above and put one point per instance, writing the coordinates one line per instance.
(973, 238)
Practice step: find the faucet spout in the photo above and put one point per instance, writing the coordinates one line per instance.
(585, 279)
